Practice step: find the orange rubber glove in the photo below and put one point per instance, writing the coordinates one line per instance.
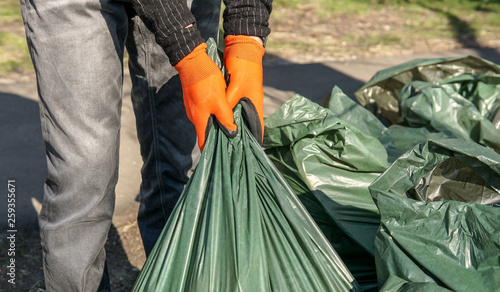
(243, 61)
(204, 87)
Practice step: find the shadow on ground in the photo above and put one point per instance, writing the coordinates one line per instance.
(283, 79)
(23, 161)
(464, 33)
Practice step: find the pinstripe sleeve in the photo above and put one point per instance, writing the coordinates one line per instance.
(167, 20)
(247, 17)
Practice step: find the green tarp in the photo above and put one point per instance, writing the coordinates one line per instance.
(239, 227)
(436, 99)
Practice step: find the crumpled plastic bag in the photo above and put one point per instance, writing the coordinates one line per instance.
(356, 115)
(380, 94)
(441, 240)
(327, 155)
(238, 227)
(329, 163)
(437, 99)
(449, 110)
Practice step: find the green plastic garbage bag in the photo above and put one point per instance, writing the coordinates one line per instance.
(437, 99)
(440, 108)
(396, 284)
(353, 113)
(481, 90)
(239, 227)
(380, 94)
(329, 164)
(443, 242)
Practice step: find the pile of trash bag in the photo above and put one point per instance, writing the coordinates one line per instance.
(396, 191)
(405, 181)
(329, 164)
(380, 94)
(438, 226)
(436, 99)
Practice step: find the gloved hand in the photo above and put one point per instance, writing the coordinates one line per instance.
(243, 61)
(204, 87)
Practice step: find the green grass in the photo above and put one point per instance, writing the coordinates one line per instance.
(461, 14)
(454, 18)
(14, 55)
(10, 11)
(460, 21)
(385, 38)
(287, 3)
(451, 19)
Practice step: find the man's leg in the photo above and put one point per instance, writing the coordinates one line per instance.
(77, 49)
(167, 137)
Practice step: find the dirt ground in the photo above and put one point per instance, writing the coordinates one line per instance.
(316, 40)
(124, 253)
(301, 36)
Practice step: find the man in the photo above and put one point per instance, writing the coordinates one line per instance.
(77, 50)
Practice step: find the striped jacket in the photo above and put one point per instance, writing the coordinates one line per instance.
(167, 19)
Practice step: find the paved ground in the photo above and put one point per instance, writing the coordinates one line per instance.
(22, 153)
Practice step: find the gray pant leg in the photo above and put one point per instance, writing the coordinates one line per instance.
(167, 137)
(77, 49)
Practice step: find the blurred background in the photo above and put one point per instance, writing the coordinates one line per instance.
(319, 30)
(314, 45)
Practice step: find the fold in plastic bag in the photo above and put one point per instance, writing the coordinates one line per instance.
(437, 99)
(238, 227)
(329, 164)
(380, 94)
(441, 108)
(483, 91)
(434, 246)
(353, 113)
(452, 179)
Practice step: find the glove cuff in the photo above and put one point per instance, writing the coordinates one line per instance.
(243, 47)
(196, 66)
